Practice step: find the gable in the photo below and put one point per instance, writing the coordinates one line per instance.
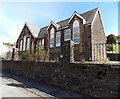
(54, 24)
(98, 34)
(77, 15)
(33, 29)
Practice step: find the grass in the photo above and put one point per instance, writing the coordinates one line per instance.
(116, 49)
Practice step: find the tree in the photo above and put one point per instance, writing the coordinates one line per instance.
(111, 39)
(110, 48)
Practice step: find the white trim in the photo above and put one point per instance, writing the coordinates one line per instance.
(95, 16)
(84, 21)
(55, 24)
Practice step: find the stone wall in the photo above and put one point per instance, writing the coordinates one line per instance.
(98, 39)
(92, 79)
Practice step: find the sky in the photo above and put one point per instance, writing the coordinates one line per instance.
(13, 15)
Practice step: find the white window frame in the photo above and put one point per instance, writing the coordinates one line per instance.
(58, 40)
(42, 43)
(66, 34)
(76, 24)
(52, 31)
(21, 45)
(24, 43)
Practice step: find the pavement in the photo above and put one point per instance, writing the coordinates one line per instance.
(18, 86)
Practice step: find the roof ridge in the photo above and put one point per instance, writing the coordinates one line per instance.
(32, 24)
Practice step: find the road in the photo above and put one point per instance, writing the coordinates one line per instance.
(17, 86)
(13, 91)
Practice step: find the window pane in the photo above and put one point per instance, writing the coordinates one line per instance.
(57, 44)
(57, 38)
(76, 35)
(76, 40)
(51, 44)
(67, 37)
(67, 34)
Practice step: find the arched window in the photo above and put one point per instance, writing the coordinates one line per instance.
(76, 30)
(52, 37)
(28, 43)
(24, 44)
(21, 44)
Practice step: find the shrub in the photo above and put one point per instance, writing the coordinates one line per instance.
(41, 54)
(8, 55)
(36, 54)
(26, 55)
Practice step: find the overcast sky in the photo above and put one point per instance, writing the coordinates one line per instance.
(14, 15)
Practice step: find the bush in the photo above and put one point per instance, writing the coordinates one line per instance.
(41, 54)
(26, 55)
(37, 54)
(8, 55)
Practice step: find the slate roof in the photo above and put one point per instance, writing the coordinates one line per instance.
(89, 16)
(33, 29)
(40, 32)
(43, 31)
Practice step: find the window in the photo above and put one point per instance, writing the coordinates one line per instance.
(28, 43)
(58, 38)
(39, 44)
(21, 44)
(24, 44)
(76, 34)
(52, 37)
(42, 43)
(66, 34)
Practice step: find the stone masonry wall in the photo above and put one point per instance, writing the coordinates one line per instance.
(98, 39)
(87, 78)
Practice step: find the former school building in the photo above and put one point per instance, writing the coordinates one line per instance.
(80, 37)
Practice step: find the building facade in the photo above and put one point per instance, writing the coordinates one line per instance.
(80, 37)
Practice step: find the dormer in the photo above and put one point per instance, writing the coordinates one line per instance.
(76, 16)
(54, 25)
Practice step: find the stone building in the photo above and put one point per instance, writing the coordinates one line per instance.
(80, 37)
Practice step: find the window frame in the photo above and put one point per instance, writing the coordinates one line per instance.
(24, 43)
(76, 24)
(52, 32)
(28, 38)
(58, 41)
(43, 42)
(21, 45)
(68, 34)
